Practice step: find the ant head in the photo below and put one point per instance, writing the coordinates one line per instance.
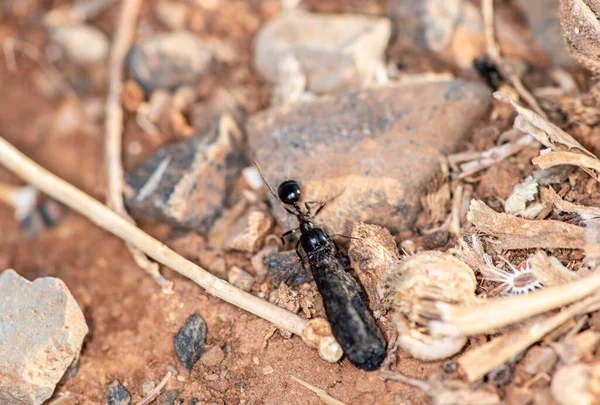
(289, 192)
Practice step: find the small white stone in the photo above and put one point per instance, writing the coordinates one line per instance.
(83, 43)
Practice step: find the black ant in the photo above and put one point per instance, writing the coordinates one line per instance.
(352, 323)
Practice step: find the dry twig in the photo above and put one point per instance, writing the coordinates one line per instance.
(496, 313)
(478, 362)
(113, 127)
(490, 157)
(311, 331)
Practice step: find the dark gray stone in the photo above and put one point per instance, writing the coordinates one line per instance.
(170, 60)
(189, 341)
(185, 183)
(117, 394)
(285, 267)
(167, 397)
(371, 154)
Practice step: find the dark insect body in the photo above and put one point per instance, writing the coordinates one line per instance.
(352, 323)
(488, 71)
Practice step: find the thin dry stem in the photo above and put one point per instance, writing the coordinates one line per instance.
(107, 219)
(494, 156)
(322, 394)
(113, 127)
(496, 313)
(156, 391)
(493, 51)
(478, 362)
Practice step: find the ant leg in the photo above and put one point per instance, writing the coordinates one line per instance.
(298, 253)
(283, 235)
(345, 236)
(306, 204)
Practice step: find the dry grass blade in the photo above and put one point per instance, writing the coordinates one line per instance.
(478, 362)
(322, 394)
(590, 164)
(107, 219)
(496, 313)
(547, 133)
(518, 233)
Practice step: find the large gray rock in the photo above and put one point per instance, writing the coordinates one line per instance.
(185, 183)
(373, 151)
(334, 51)
(41, 333)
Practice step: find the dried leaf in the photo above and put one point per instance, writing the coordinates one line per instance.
(586, 213)
(518, 233)
(543, 130)
(550, 271)
(588, 163)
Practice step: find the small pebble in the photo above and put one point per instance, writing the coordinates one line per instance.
(501, 375)
(268, 370)
(167, 61)
(148, 386)
(255, 360)
(185, 183)
(117, 394)
(240, 279)
(83, 43)
(213, 357)
(167, 397)
(189, 341)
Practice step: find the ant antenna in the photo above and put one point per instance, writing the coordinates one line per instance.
(265, 181)
(273, 191)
